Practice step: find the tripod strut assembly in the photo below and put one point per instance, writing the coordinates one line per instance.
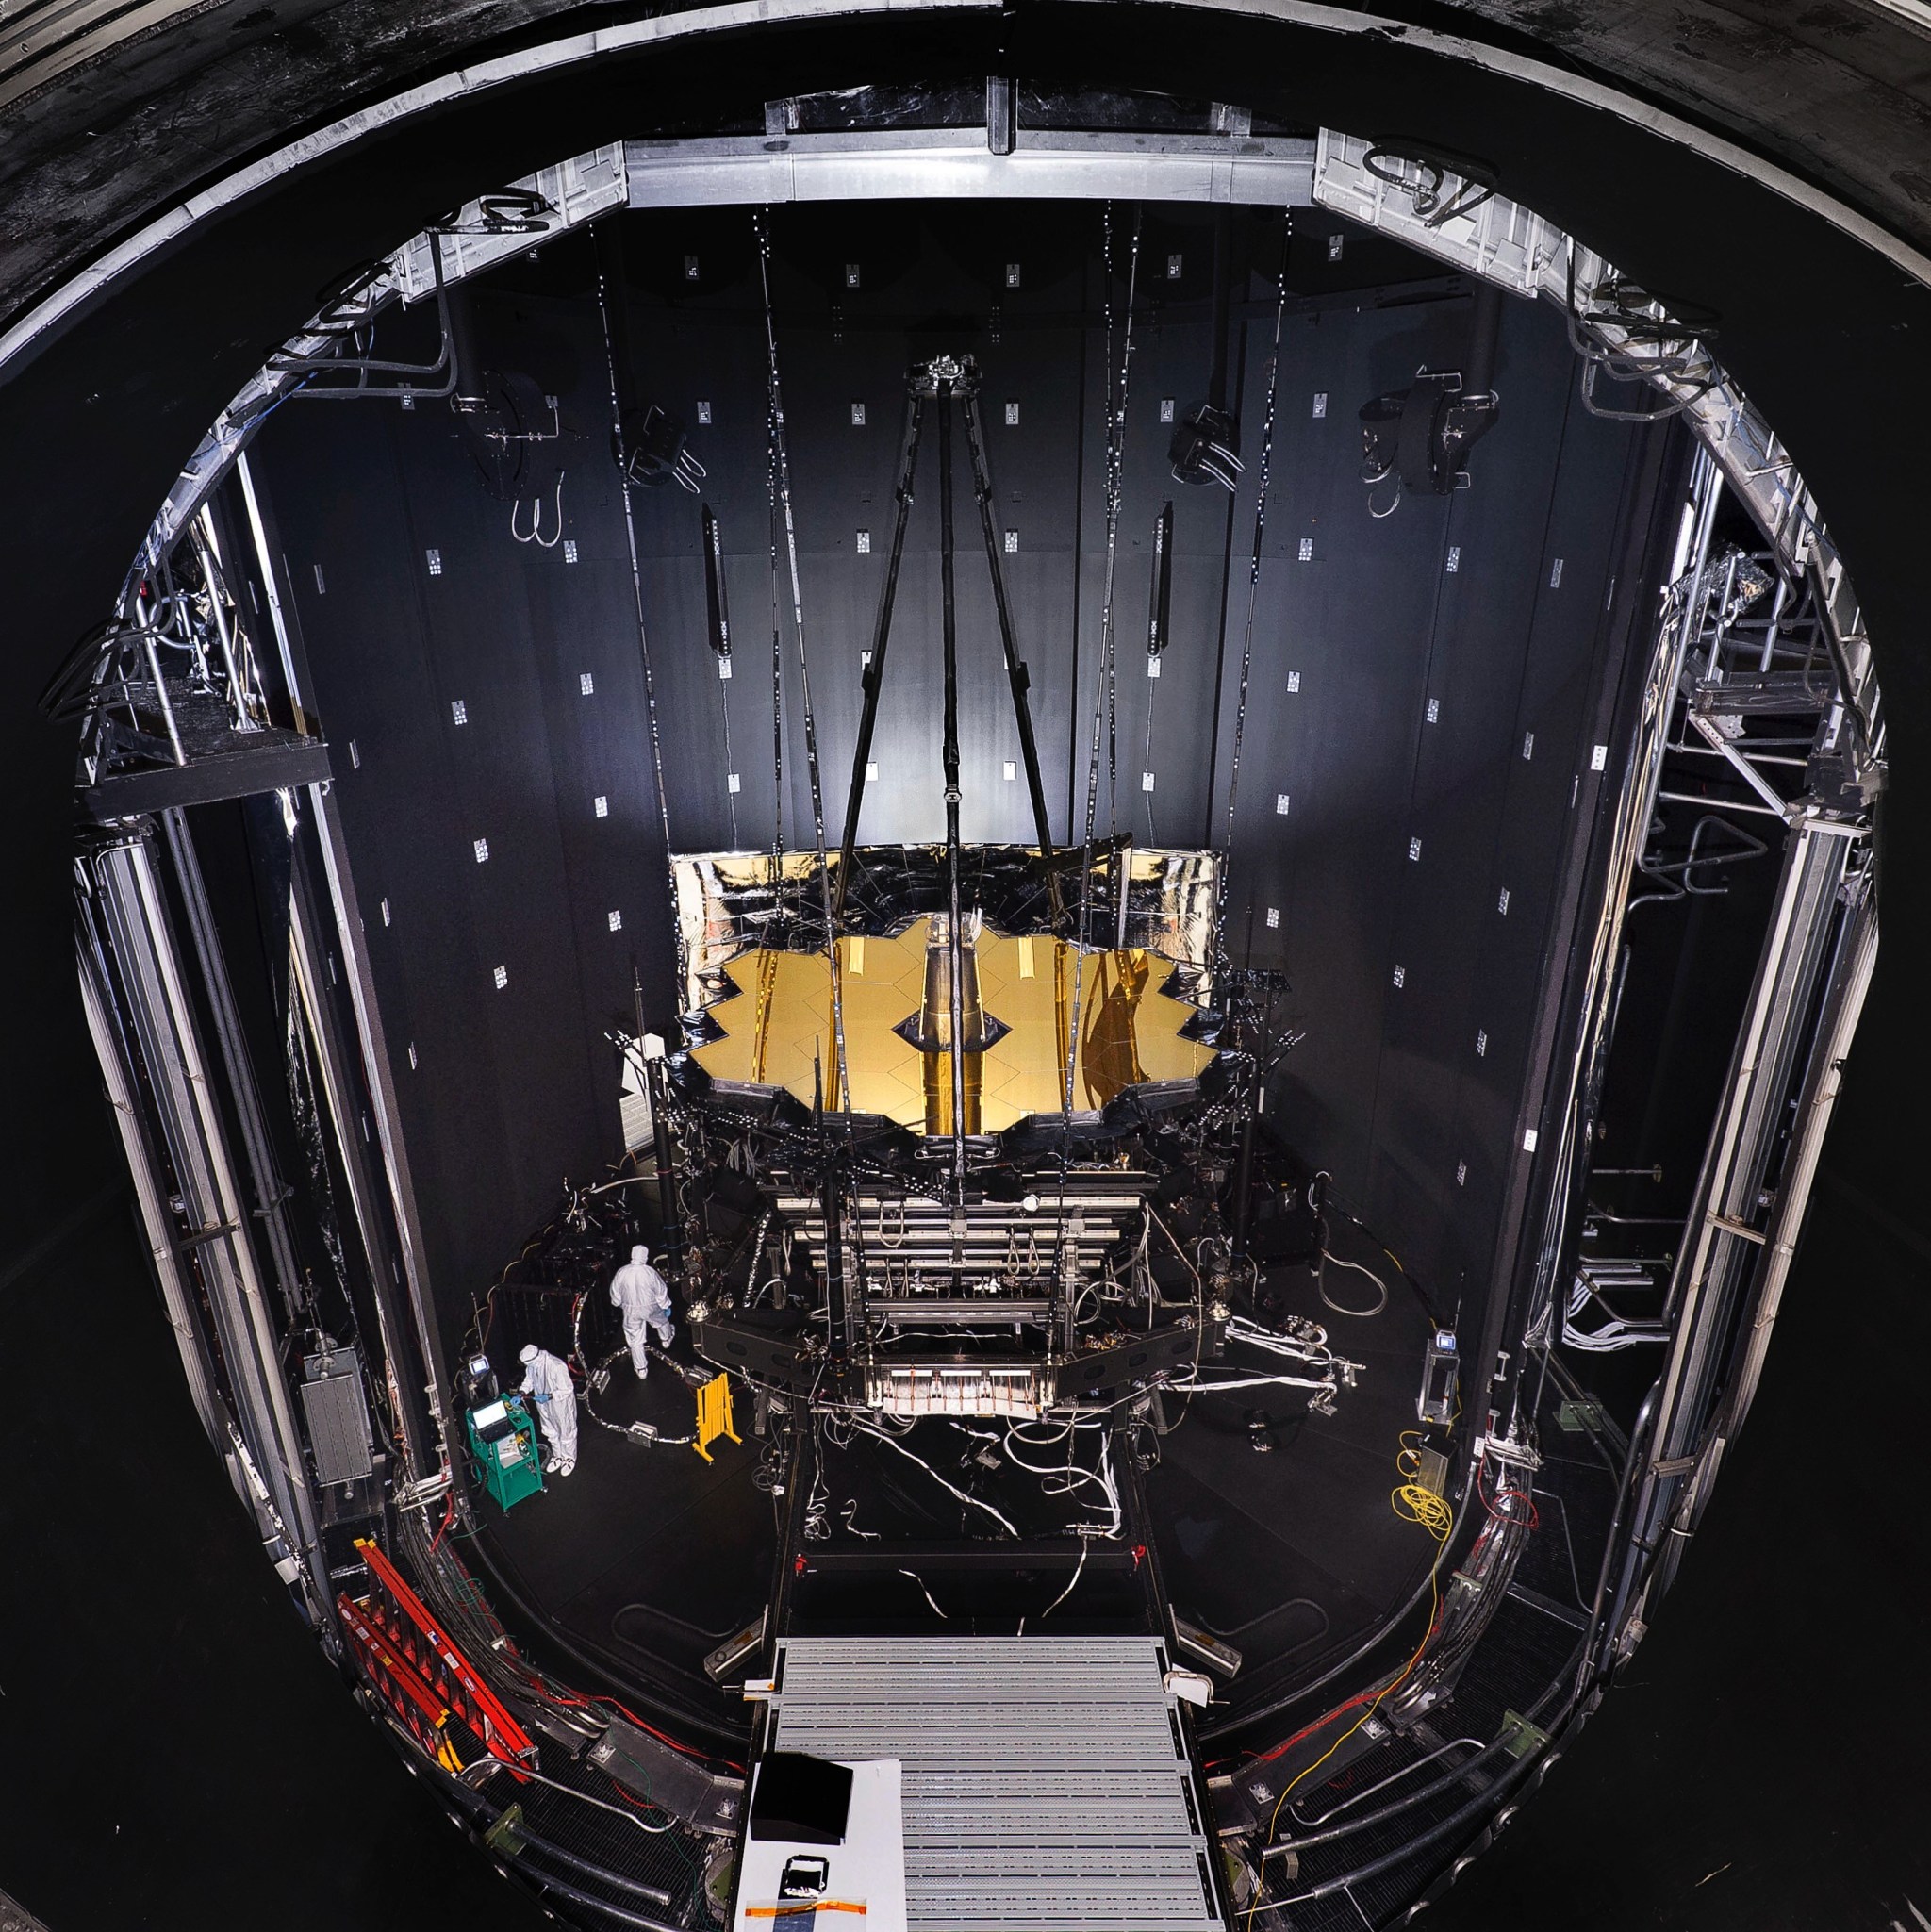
(944, 379)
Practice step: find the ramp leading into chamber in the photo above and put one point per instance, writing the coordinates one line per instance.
(1048, 1783)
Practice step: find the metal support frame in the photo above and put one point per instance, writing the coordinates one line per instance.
(269, 1192)
(376, 1072)
(338, 1074)
(125, 912)
(943, 380)
(1738, 675)
(1560, 1171)
(381, 1081)
(115, 1051)
(1723, 1299)
(960, 381)
(1817, 958)
(1705, 728)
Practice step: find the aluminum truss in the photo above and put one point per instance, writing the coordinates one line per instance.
(1761, 707)
(170, 698)
(1751, 731)
(1622, 333)
(219, 1251)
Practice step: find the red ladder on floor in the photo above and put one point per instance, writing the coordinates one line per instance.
(419, 1673)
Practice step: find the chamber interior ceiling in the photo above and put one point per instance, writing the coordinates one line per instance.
(1422, 710)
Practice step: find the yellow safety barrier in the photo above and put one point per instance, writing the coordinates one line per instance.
(713, 1415)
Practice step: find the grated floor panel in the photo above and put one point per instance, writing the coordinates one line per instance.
(1047, 1782)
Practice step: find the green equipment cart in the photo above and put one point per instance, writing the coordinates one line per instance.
(503, 1441)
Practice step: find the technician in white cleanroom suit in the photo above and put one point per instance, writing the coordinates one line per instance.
(545, 1381)
(644, 1296)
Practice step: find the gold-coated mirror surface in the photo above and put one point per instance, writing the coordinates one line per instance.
(777, 1027)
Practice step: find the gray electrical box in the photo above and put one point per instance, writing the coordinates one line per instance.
(702, 1799)
(337, 1413)
(1441, 1371)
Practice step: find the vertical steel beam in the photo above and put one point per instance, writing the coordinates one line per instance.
(382, 1090)
(658, 1088)
(1751, 1117)
(377, 1072)
(1848, 980)
(839, 1327)
(1723, 1252)
(269, 1191)
(115, 1053)
(214, 1214)
(337, 1063)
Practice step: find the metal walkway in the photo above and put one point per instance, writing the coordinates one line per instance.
(1047, 1780)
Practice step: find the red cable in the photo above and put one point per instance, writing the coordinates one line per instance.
(1359, 1697)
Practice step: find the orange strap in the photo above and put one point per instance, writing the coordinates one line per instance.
(797, 1910)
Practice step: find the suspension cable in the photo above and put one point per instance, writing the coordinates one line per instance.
(1158, 609)
(637, 584)
(1240, 716)
(777, 684)
(1147, 754)
(1116, 456)
(1116, 411)
(730, 762)
(763, 228)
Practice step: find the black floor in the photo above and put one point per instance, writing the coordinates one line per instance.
(174, 1739)
(1293, 1551)
(646, 1556)
(912, 1529)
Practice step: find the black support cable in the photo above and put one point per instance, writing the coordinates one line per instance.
(881, 639)
(1240, 721)
(717, 619)
(1158, 624)
(612, 307)
(1016, 674)
(777, 691)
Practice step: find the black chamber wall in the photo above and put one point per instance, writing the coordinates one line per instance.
(1420, 703)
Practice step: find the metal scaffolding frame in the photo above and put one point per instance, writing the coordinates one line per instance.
(201, 1221)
